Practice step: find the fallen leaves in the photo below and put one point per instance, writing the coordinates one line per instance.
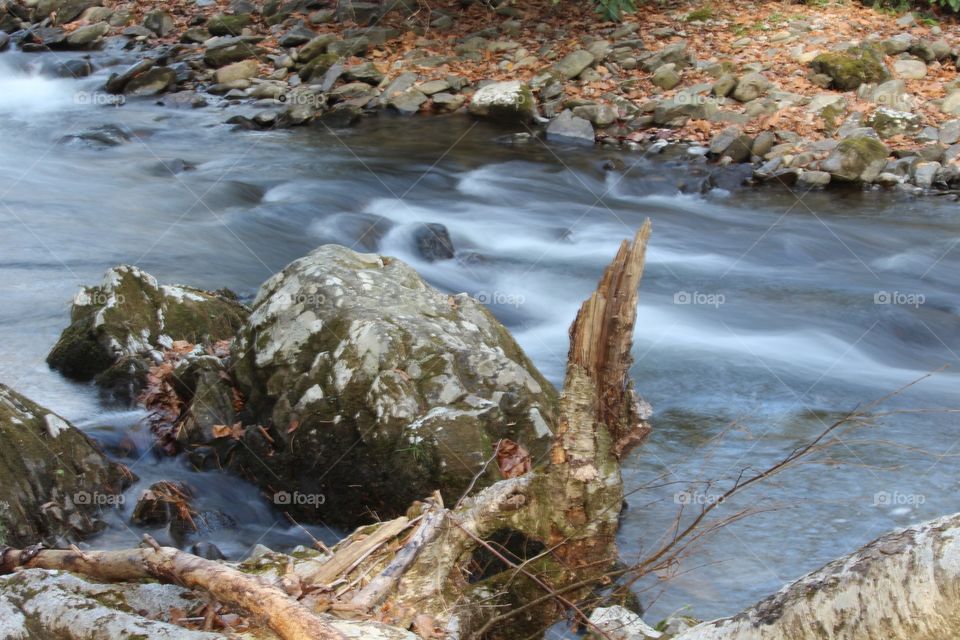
(512, 458)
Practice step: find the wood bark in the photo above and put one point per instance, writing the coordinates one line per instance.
(904, 585)
(284, 615)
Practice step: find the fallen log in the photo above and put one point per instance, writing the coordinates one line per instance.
(284, 615)
(904, 585)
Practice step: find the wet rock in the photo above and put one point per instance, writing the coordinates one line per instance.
(353, 357)
(508, 102)
(569, 128)
(341, 115)
(910, 69)
(732, 143)
(848, 70)
(407, 102)
(814, 179)
(750, 87)
(54, 481)
(108, 135)
(88, 36)
(117, 81)
(854, 156)
(925, 174)
(159, 22)
(76, 68)
(573, 64)
(599, 115)
(128, 316)
(226, 25)
(433, 242)
(207, 550)
(447, 101)
(151, 82)
(157, 504)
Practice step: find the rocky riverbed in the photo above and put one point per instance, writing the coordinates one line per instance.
(810, 96)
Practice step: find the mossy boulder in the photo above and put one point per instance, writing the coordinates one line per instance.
(116, 326)
(376, 389)
(854, 156)
(510, 102)
(54, 481)
(851, 68)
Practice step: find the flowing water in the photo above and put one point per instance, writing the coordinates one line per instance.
(764, 314)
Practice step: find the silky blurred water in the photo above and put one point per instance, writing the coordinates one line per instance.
(764, 314)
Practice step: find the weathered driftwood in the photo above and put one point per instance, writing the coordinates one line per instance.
(904, 585)
(284, 615)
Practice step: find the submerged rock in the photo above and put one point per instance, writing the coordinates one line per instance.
(54, 482)
(433, 242)
(374, 389)
(116, 325)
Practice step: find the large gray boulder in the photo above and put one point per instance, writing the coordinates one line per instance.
(117, 326)
(54, 482)
(374, 389)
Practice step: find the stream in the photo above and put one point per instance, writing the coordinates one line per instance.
(764, 314)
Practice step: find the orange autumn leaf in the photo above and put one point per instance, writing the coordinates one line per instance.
(512, 458)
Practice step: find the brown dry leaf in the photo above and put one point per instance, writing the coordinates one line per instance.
(512, 458)
(234, 431)
(294, 425)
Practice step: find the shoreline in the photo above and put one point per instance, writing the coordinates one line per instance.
(758, 87)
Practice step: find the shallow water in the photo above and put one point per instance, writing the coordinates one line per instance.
(763, 315)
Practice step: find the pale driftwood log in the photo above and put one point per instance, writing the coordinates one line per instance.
(284, 615)
(904, 585)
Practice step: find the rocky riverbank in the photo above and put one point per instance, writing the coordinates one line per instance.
(810, 95)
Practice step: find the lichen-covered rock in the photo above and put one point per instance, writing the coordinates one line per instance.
(854, 156)
(53, 479)
(510, 102)
(890, 122)
(848, 70)
(115, 326)
(374, 389)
